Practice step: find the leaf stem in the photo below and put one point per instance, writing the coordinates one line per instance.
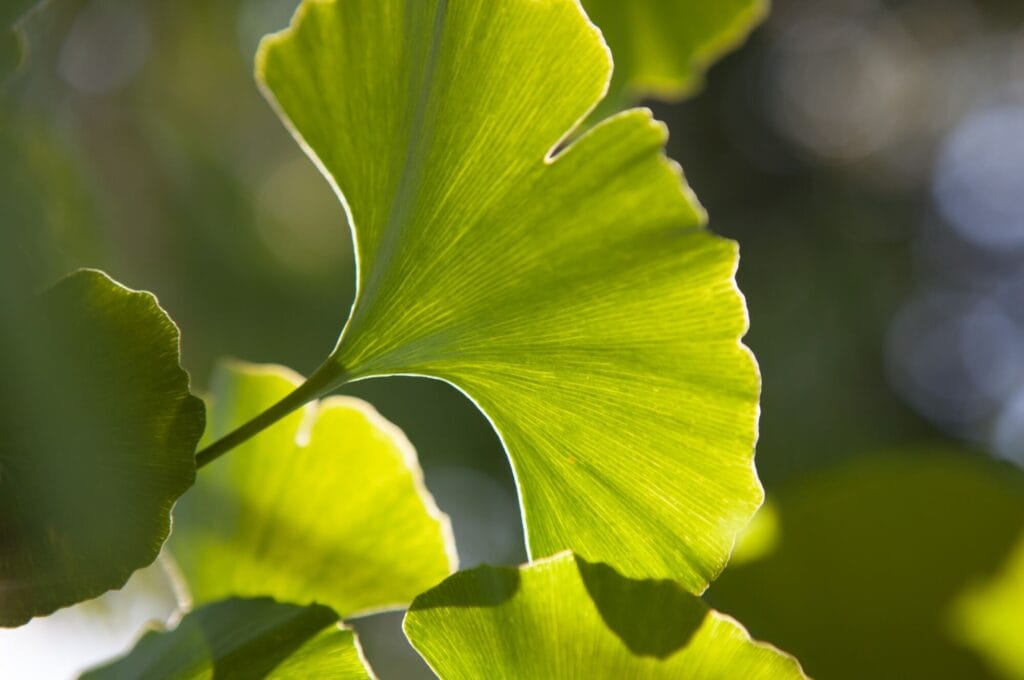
(330, 375)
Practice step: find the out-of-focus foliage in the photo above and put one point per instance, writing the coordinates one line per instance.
(871, 560)
(326, 506)
(662, 48)
(46, 210)
(565, 617)
(988, 617)
(574, 296)
(10, 52)
(12, 44)
(245, 638)
(837, 125)
(97, 435)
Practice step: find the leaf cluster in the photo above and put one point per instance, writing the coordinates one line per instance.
(520, 234)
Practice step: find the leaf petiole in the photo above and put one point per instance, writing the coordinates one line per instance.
(327, 377)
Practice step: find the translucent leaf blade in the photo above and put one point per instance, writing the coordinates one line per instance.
(663, 47)
(326, 506)
(574, 296)
(566, 618)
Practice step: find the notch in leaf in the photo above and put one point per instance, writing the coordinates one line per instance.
(97, 439)
(574, 296)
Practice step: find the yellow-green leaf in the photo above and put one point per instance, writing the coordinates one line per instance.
(327, 505)
(97, 440)
(572, 293)
(238, 638)
(567, 618)
(663, 47)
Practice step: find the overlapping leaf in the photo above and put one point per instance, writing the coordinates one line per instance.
(328, 505)
(97, 440)
(91, 632)
(663, 47)
(574, 295)
(238, 638)
(566, 618)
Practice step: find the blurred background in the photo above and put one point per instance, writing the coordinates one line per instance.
(867, 155)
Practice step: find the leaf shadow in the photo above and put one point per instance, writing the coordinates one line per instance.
(267, 649)
(232, 638)
(628, 607)
(483, 586)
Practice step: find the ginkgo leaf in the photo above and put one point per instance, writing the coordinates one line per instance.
(97, 439)
(564, 617)
(663, 47)
(245, 638)
(574, 296)
(869, 563)
(327, 505)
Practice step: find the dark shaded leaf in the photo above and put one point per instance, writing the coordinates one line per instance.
(97, 440)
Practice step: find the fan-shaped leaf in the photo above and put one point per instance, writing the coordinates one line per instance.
(97, 440)
(237, 638)
(328, 505)
(566, 618)
(574, 296)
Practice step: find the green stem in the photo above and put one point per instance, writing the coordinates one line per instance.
(329, 376)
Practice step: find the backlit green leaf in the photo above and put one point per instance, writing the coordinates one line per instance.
(236, 638)
(566, 618)
(328, 505)
(663, 47)
(97, 440)
(574, 296)
(869, 564)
